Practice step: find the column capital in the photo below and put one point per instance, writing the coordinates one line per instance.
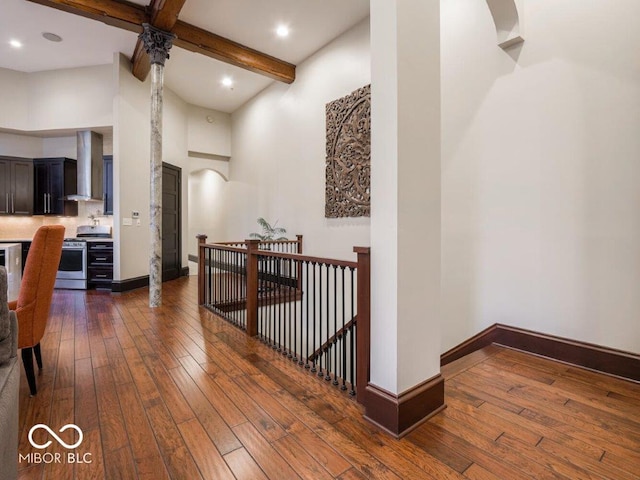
(157, 43)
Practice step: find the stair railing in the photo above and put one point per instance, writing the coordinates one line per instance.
(314, 311)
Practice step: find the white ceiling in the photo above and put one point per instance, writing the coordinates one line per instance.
(194, 77)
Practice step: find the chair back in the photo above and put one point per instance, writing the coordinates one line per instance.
(38, 279)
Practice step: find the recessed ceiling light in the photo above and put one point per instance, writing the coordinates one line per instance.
(227, 81)
(282, 31)
(52, 37)
(15, 43)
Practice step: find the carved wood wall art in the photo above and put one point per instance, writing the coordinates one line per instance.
(348, 166)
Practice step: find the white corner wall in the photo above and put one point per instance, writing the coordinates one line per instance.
(540, 172)
(209, 131)
(57, 99)
(13, 98)
(277, 166)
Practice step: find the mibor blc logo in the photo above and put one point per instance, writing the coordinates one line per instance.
(56, 457)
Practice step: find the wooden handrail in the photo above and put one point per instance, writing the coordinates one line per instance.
(327, 345)
(305, 258)
(221, 246)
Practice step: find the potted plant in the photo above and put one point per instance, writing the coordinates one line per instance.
(270, 233)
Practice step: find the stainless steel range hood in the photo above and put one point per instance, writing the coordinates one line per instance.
(89, 166)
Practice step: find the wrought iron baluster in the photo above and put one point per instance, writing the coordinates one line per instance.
(261, 316)
(335, 324)
(313, 345)
(305, 296)
(209, 290)
(274, 305)
(234, 297)
(343, 338)
(327, 358)
(320, 352)
(294, 305)
(353, 329)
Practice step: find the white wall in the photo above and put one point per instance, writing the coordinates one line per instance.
(74, 98)
(131, 145)
(277, 166)
(13, 98)
(540, 172)
(25, 146)
(71, 98)
(206, 192)
(209, 131)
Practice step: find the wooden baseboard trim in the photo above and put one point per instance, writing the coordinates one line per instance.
(119, 286)
(586, 355)
(400, 414)
(478, 341)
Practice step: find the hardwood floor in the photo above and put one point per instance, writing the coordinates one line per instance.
(177, 393)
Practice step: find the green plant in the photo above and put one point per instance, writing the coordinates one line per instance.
(269, 232)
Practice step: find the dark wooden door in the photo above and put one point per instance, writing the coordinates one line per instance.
(171, 222)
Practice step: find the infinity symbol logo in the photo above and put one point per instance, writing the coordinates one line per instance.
(53, 434)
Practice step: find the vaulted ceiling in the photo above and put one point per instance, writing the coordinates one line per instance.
(193, 76)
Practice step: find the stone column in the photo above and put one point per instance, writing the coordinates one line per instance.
(157, 44)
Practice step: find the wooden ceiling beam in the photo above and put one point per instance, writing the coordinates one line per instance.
(131, 16)
(198, 40)
(163, 15)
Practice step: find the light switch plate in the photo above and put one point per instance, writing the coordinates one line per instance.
(127, 222)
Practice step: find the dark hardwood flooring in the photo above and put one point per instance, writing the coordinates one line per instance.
(177, 393)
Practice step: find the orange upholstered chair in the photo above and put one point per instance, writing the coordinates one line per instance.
(34, 299)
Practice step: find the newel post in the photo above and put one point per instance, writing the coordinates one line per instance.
(363, 335)
(202, 239)
(299, 237)
(252, 287)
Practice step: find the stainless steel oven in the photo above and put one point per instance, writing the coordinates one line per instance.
(72, 271)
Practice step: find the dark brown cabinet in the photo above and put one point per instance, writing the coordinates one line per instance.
(107, 184)
(100, 265)
(55, 178)
(16, 186)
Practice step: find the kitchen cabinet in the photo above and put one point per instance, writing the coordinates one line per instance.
(55, 178)
(100, 265)
(16, 186)
(107, 184)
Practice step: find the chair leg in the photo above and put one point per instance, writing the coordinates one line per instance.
(38, 354)
(27, 361)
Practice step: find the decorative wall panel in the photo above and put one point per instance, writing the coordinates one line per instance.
(348, 167)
